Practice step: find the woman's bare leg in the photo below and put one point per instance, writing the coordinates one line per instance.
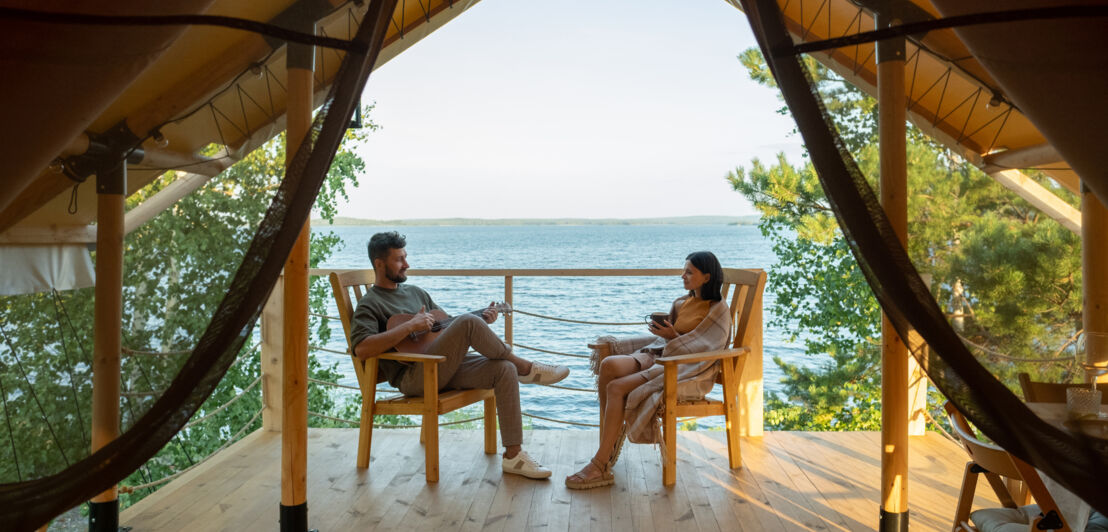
(611, 368)
(617, 392)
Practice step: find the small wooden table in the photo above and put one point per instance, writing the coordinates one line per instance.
(1055, 414)
(1072, 507)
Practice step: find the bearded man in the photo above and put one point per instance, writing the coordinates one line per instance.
(492, 366)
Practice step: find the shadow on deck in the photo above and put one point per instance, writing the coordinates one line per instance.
(790, 481)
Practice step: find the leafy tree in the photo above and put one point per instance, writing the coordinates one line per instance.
(177, 269)
(1021, 271)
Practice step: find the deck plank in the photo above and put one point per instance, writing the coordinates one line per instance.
(789, 481)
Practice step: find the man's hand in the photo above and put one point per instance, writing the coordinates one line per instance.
(665, 330)
(489, 314)
(422, 321)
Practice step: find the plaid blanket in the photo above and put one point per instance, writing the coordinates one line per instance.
(643, 411)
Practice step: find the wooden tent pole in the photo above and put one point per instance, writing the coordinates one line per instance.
(111, 185)
(1094, 269)
(894, 355)
(294, 412)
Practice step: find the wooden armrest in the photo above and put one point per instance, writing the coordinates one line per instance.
(700, 357)
(411, 357)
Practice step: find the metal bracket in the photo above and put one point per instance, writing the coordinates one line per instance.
(107, 156)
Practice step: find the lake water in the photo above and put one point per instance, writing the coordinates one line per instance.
(611, 299)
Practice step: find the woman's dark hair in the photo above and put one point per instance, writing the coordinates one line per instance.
(380, 244)
(707, 263)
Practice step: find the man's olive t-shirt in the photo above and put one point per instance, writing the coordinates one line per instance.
(373, 313)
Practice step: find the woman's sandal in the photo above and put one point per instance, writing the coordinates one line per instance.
(578, 480)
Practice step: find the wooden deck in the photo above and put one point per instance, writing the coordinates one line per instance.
(790, 481)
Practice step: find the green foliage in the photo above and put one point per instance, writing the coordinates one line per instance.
(1021, 271)
(177, 269)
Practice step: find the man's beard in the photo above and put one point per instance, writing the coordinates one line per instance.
(396, 277)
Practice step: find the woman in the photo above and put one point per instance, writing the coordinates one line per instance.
(630, 384)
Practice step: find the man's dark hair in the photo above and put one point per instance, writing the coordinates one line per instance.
(381, 243)
(706, 262)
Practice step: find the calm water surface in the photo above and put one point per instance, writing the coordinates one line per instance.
(612, 299)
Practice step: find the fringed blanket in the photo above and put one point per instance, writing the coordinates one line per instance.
(645, 403)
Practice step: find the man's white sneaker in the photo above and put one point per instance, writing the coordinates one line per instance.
(544, 374)
(522, 464)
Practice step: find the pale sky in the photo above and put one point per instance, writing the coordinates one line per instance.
(572, 108)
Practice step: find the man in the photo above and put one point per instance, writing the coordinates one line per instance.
(495, 366)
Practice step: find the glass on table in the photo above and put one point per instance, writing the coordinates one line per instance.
(1092, 353)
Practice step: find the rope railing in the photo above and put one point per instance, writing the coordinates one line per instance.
(327, 350)
(567, 320)
(381, 426)
(133, 352)
(1002, 356)
(391, 390)
(578, 423)
(335, 384)
(940, 428)
(324, 316)
(129, 351)
(570, 388)
(551, 352)
(224, 406)
(226, 444)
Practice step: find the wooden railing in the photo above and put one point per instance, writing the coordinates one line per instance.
(750, 387)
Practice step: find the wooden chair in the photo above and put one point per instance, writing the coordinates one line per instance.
(1049, 392)
(1014, 481)
(349, 287)
(745, 288)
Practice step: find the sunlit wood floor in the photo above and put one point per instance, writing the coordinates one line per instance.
(790, 481)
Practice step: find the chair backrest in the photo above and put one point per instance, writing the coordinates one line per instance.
(1049, 392)
(349, 287)
(987, 455)
(745, 289)
(996, 460)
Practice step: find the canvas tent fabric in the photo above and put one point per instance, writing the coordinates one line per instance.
(202, 86)
(31, 269)
(196, 86)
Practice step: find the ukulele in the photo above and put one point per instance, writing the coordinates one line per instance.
(418, 342)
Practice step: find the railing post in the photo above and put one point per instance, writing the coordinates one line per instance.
(508, 317)
(272, 353)
(1094, 268)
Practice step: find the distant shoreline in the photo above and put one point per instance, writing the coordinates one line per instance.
(673, 220)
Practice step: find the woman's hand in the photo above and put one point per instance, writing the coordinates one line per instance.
(665, 329)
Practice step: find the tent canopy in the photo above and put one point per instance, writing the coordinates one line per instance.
(196, 87)
(1003, 96)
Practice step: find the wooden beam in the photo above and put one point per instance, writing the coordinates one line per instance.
(194, 164)
(294, 424)
(1094, 269)
(1041, 198)
(135, 218)
(273, 330)
(58, 234)
(184, 185)
(107, 331)
(1027, 157)
(892, 129)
